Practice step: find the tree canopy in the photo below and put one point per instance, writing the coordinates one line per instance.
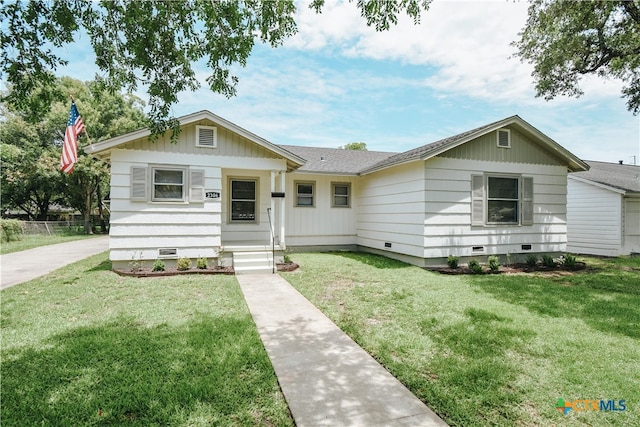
(566, 40)
(358, 146)
(31, 178)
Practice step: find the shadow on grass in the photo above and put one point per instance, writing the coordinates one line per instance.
(103, 266)
(212, 370)
(376, 261)
(608, 301)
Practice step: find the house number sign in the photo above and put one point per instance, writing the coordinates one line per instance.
(209, 195)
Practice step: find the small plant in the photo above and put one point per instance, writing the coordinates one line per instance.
(548, 261)
(219, 261)
(158, 265)
(452, 260)
(509, 259)
(183, 264)
(475, 267)
(202, 263)
(494, 263)
(570, 262)
(286, 257)
(136, 263)
(532, 260)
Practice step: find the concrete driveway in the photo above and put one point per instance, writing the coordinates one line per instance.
(19, 267)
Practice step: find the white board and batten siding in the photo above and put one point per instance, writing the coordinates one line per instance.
(140, 228)
(391, 207)
(321, 224)
(448, 230)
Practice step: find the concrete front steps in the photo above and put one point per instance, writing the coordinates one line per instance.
(252, 261)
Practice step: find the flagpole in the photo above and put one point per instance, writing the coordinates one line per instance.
(84, 130)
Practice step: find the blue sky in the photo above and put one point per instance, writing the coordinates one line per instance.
(339, 81)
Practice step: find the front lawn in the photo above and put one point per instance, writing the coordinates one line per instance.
(84, 346)
(30, 241)
(495, 349)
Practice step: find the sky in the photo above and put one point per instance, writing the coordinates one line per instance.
(338, 81)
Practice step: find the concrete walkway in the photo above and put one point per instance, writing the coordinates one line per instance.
(326, 378)
(19, 267)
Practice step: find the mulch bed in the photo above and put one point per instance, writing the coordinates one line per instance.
(148, 272)
(509, 269)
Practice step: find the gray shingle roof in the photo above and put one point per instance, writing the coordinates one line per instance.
(335, 160)
(623, 177)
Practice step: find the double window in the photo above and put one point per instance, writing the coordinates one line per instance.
(306, 194)
(501, 200)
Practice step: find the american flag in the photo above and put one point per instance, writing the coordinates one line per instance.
(70, 145)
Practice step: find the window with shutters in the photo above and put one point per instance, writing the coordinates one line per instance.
(206, 136)
(305, 194)
(501, 200)
(243, 200)
(504, 138)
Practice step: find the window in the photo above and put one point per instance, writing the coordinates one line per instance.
(206, 136)
(305, 192)
(243, 200)
(501, 200)
(341, 195)
(168, 184)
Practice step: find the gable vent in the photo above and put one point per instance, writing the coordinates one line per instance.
(504, 138)
(206, 136)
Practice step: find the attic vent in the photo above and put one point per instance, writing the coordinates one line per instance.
(206, 136)
(504, 138)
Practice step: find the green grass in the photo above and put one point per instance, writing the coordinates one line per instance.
(30, 241)
(84, 346)
(494, 349)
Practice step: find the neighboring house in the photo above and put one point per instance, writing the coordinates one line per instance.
(497, 189)
(603, 210)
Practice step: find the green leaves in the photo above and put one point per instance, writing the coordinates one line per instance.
(566, 40)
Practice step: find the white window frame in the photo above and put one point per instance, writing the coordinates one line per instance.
(255, 200)
(183, 185)
(508, 132)
(214, 143)
(312, 196)
(334, 195)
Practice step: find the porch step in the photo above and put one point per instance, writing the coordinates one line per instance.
(252, 262)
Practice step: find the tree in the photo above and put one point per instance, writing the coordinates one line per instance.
(31, 176)
(358, 146)
(152, 43)
(566, 40)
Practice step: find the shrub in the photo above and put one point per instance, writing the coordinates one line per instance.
(158, 265)
(494, 263)
(183, 264)
(475, 266)
(569, 261)
(10, 230)
(286, 258)
(547, 261)
(202, 263)
(452, 261)
(532, 260)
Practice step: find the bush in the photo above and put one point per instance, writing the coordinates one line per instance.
(532, 260)
(475, 266)
(547, 261)
(183, 264)
(570, 261)
(452, 261)
(494, 263)
(158, 265)
(10, 230)
(202, 263)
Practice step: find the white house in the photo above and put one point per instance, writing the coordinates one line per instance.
(603, 210)
(497, 189)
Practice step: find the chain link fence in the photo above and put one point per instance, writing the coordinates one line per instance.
(51, 228)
